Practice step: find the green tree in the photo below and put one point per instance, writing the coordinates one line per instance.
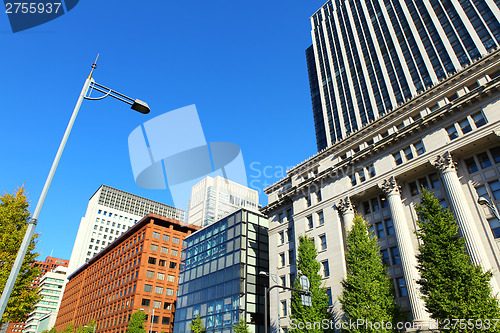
(14, 217)
(242, 327)
(89, 327)
(53, 330)
(70, 328)
(136, 323)
(196, 325)
(452, 287)
(308, 265)
(368, 293)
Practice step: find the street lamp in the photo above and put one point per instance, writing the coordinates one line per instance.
(268, 289)
(91, 326)
(485, 202)
(152, 318)
(136, 105)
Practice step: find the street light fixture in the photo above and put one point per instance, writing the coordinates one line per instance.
(485, 202)
(152, 318)
(91, 326)
(136, 105)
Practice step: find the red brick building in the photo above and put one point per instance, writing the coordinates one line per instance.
(45, 266)
(139, 270)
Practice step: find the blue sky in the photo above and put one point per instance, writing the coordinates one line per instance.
(242, 64)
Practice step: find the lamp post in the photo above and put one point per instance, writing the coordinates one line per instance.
(92, 327)
(136, 105)
(152, 318)
(266, 293)
(491, 206)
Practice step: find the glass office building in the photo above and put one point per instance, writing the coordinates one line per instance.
(370, 56)
(220, 279)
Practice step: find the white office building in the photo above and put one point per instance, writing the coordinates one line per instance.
(110, 213)
(51, 288)
(215, 198)
(447, 140)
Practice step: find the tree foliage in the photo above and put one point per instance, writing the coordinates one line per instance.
(196, 325)
(368, 293)
(70, 328)
(308, 265)
(242, 327)
(136, 323)
(452, 286)
(14, 217)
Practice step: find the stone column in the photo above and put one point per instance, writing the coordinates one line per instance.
(475, 247)
(406, 251)
(347, 211)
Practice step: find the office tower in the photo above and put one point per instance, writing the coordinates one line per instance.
(370, 56)
(139, 270)
(214, 198)
(220, 278)
(109, 214)
(447, 140)
(48, 265)
(51, 286)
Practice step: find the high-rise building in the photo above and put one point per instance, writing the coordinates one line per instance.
(139, 270)
(48, 265)
(220, 278)
(214, 198)
(109, 214)
(370, 56)
(447, 140)
(51, 286)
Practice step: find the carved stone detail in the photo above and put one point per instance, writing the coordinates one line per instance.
(444, 163)
(345, 206)
(390, 186)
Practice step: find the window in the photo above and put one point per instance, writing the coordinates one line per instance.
(397, 158)
(408, 153)
(308, 200)
(353, 180)
(172, 265)
(169, 292)
(282, 259)
(167, 306)
(165, 320)
(162, 263)
(495, 189)
(318, 196)
(289, 234)
(465, 126)
(164, 250)
(419, 148)
(156, 319)
(385, 257)
(160, 276)
(322, 241)
(145, 302)
(174, 253)
(289, 214)
(283, 280)
(148, 288)
(375, 204)
(380, 230)
(434, 178)
(150, 274)
(495, 153)
(321, 218)
(281, 236)
(478, 119)
(154, 247)
(156, 235)
(152, 260)
(171, 278)
(166, 238)
(283, 309)
(326, 268)
(310, 223)
(175, 240)
(401, 287)
(471, 165)
(159, 290)
(291, 257)
(371, 171)
(484, 160)
(395, 255)
(495, 227)
(389, 226)
(452, 132)
(329, 293)
(156, 304)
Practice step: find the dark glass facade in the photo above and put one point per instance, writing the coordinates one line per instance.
(370, 56)
(220, 279)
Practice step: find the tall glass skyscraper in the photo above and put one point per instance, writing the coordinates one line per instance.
(369, 56)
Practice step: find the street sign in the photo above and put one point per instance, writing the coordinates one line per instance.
(305, 284)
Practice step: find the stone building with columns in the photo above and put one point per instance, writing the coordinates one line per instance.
(446, 139)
